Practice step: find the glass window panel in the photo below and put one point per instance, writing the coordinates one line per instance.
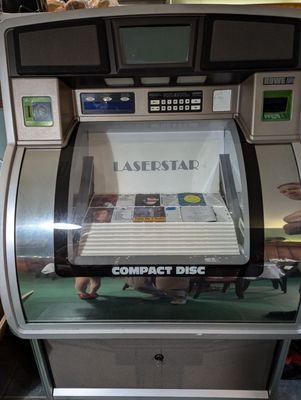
(217, 299)
(140, 44)
(265, 41)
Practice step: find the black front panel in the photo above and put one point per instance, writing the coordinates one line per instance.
(244, 42)
(162, 45)
(60, 48)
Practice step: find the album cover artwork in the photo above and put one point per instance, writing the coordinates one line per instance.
(99, 215)
(122, 214)
(191, 199)
(169, 200)
(104, 200)
(149, 214)
(173, 214)
(151, 200)
(198, 214)
(126, 200)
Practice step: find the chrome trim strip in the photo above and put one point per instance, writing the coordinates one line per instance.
(297, 152)
(5, 288)
(161, 394)
(106, 330)
(42, 368)
(12, 282)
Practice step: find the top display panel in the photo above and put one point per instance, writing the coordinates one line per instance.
(152, 44)
(62, 48)
(140, 44)
(146, 45)
(245, 42)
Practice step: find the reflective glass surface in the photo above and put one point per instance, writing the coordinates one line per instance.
(128, 163)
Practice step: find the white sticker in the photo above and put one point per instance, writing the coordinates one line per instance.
(222, 100)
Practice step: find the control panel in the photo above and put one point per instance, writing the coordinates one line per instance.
(175, 102)
(108, 103)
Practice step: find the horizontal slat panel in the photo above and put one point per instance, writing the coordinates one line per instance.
(160, 238)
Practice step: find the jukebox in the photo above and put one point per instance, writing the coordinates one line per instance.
(151, 198)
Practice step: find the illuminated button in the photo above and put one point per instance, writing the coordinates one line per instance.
(155, 102)
(169, 102)
(195, 108)
(187, 101)
(181, 108)
(168, 108)
(124, 98)
(163, 108)
(175, 101)
(106, 99)
(90, 98)
(175, 108)
(181, 101)
(195, 101)
(155, 108)
(163, 101)
(187, 108)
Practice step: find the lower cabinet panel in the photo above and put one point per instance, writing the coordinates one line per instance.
(166, 364)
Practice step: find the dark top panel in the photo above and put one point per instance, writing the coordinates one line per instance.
(246, 42)
(52, 44)
(251, 41)
(165, 45)
(155, 44)
(61, 48)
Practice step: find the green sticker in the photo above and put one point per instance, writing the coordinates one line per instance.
(277, 105)
(37, 111)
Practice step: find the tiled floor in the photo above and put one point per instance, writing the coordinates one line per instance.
(289, 390)
(19, 376)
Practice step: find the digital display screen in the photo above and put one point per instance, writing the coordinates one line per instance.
(251, 41)
(274, 105)
(277, 105)
(64, 46)
(155, 44)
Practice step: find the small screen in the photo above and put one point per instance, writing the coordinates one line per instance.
(275, 105)
(155, 44)
(251, 41)
(64, 46)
